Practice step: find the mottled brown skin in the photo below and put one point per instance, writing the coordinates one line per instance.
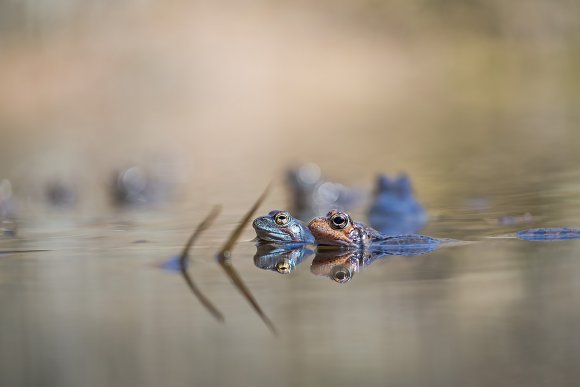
(353, 235)
(338, 229)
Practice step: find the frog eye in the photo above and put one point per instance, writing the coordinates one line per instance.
(340, 274)
(282, 218)
(283, 267)
(339, 220)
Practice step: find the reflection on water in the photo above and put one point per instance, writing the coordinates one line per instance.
(224, 258)
(338, 264)
(97, 311)
(280, 258)
(184, 264)
(549, 234)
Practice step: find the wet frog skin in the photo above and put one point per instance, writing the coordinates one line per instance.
(395, 210)
(338, 229)
(281, 227)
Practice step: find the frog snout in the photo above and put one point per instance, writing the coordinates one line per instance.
(259, 223)
(314, 224)
(256, 222)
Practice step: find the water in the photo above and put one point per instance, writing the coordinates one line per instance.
(97, 309)
(478, 105)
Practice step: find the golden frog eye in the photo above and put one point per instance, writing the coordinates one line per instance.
(339, 220)
(283, 267)
(282, 218)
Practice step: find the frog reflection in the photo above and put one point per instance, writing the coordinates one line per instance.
(278, 258)
(340, 265)
(395, 210)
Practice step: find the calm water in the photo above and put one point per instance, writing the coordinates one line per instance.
(97, 310)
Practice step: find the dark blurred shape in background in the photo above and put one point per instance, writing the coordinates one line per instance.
(356, 87)
(61, 194)
(135, 186)
(311, 195)
(395, 209)
(8, 225)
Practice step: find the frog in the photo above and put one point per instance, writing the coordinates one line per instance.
(282, 228)
(339, 230)
(395, 209)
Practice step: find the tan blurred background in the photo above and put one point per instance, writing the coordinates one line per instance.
(228, 94)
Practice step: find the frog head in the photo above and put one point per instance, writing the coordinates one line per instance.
(337, 229)
(281, 227)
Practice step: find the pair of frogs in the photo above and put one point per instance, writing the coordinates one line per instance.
(335, 229)
(282, 241)
(338, 229)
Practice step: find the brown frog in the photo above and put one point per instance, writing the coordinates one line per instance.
(338, 229)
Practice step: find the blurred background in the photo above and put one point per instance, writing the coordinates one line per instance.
(478, 101)
(242, 90)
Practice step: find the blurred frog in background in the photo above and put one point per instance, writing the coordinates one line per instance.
(8, 210)
(137, 186)
(395, 210)
(312, 195)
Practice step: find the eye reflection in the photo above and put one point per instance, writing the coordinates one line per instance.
(284, 267)
(341, 274)
(337, 265)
